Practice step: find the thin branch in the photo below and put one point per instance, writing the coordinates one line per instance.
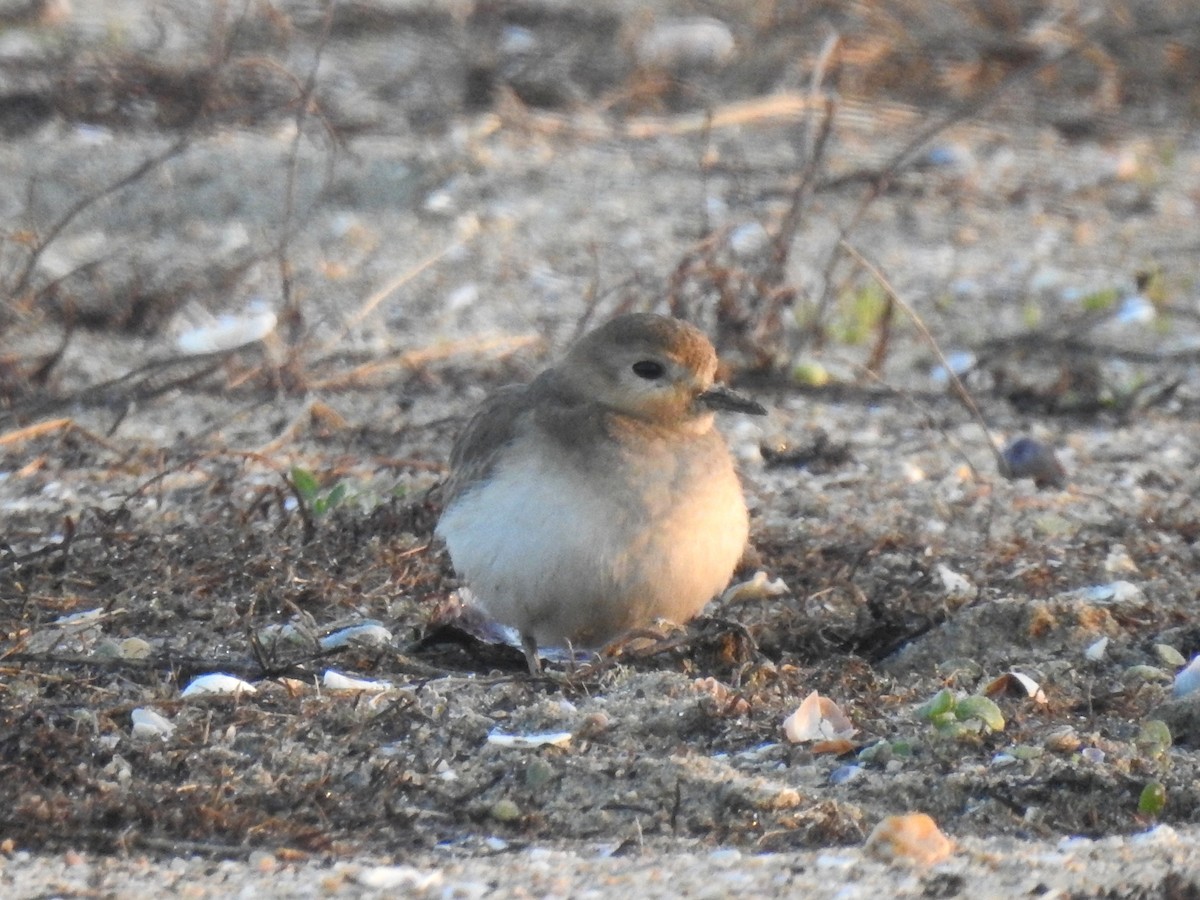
(960, 390)
(814, 155)
(85, 203)
(291, 314)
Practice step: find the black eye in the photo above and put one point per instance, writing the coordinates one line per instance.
(650, 369)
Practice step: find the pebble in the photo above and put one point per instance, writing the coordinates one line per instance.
(913, 838)
(1025, 457)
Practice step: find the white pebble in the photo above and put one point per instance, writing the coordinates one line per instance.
(701, 42)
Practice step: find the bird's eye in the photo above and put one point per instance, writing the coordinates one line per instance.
(650, 369)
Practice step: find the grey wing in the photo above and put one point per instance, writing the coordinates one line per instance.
(493, 426)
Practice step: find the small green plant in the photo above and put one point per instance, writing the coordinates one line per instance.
(310, 494)
(1099, 301)
(953, 715)
(860, 312)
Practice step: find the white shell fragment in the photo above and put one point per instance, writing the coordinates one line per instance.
(86, 617)
(748, 240)
(148, 724)
(957, 587)
(1187, 681)
(760, 587)
(1119, 562)
(1096, 650)
(217, 683)
(398, 878)
(370, 634)
(228, 331)
(1113, 592)
(336, 681)
(529, 741)
(1136, 309)
(818, 718)
(701, 42)
(1016, 683)
(958, 362)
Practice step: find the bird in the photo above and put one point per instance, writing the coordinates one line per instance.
(600, 497)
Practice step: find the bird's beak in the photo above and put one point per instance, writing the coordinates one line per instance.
(722, 398)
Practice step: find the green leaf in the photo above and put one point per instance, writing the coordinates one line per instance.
(337, 495)
(981, 708)
(937, 706)
(1100, 301)
(1153, 799)
(949, 727)
(305, 483)
(1027, 751)
(812, 374)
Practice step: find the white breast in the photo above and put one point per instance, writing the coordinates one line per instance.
(563, 552)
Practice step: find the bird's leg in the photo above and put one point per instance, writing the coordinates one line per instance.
(529, 645)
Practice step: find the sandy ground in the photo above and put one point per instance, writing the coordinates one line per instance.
(1160, 863)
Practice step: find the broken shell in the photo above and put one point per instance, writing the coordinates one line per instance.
(1096, 650)
(529, 741)
(818, 718)
(1188, 680)
(149, 724)
(336, 681)
(1015, 683)
(370, 634)
(217, 683)
(760, 587)
(86, 617)
(228, 331)
(957, 587)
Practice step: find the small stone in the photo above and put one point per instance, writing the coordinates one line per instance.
(1063, 740)
(593, 725)
(1169, 656)
(1027, 458)
(913, 838)
(134, 648)
(538, 772)
(505, 810)
(1147, 674)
